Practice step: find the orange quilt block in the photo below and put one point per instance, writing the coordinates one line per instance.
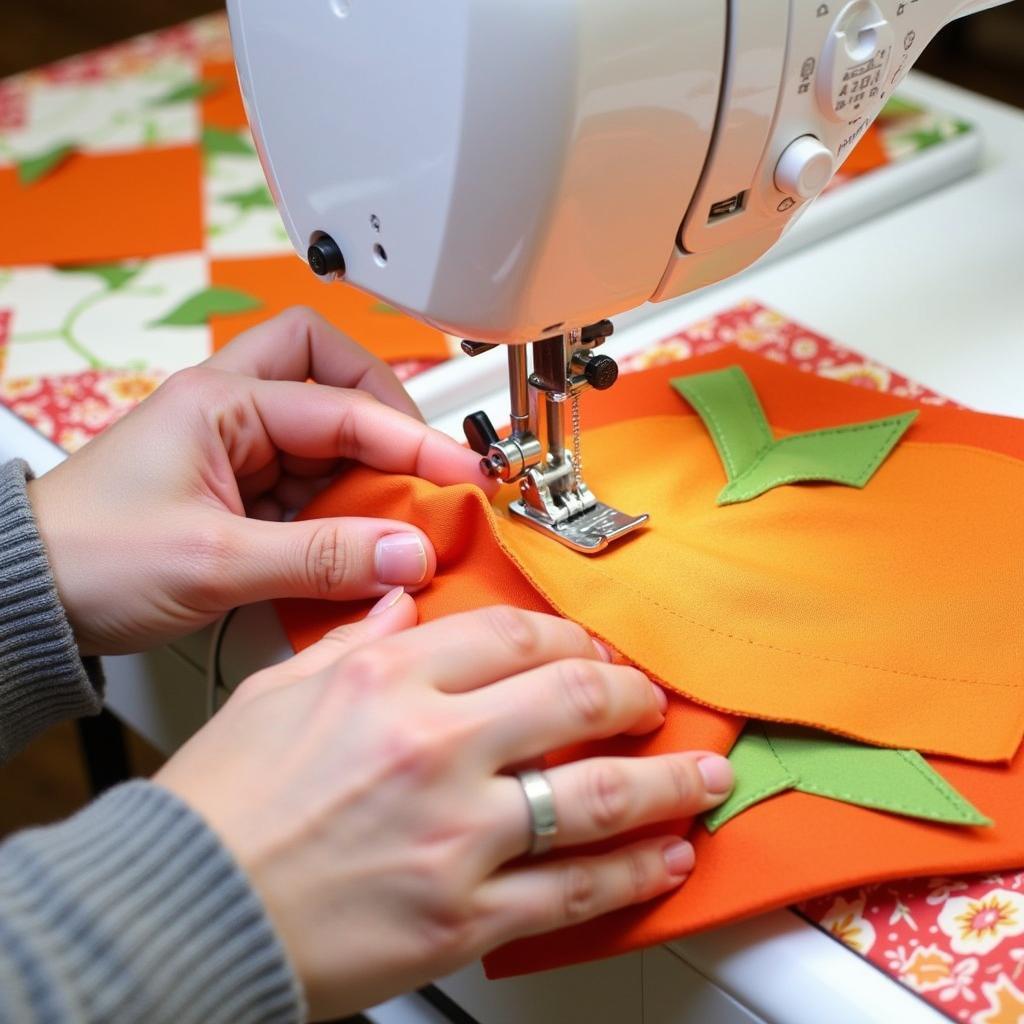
(885, 553)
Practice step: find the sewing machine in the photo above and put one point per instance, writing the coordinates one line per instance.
(518, 172)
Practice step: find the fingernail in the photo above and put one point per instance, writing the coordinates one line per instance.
(661, 697)
(602, 652)
(389, 600)
(717, 774)
(401, 558)
(679, 858)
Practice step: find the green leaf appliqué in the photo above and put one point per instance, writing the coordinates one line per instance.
(770, 758)
(755, 462)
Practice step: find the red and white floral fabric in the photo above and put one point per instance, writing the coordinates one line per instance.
(773, 336)
(958, 943)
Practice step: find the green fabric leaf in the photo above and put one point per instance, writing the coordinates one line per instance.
(198, 308)
(116, 275)
(771, 758)
(759, 774)
(755, 463)
(217, 142)
(256, 198)
(383, 307)
(185, 92)
(842, 455)
(32, 168)
(727, 403)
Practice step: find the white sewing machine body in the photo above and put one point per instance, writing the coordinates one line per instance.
(518, 172)
(509, 170)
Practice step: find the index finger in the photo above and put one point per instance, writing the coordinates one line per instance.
(299, 345)
(469, 650)
(313, 421)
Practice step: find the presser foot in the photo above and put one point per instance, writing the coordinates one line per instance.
(586, 532)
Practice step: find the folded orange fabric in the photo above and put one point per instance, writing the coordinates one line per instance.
(792, 847)
(947, 597)
(891, 614)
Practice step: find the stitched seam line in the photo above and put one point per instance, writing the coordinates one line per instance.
(717, 435)
(950, 795)
(791, 780)
(890, 805)
(754, 405)
(785, 650)
(754, 798)
(778, 759)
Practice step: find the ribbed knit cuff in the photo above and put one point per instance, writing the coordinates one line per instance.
(133, 911)
(43, 679)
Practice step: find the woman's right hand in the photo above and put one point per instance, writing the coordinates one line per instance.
(365, 787)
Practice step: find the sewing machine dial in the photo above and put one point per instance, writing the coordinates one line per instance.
(856, 58)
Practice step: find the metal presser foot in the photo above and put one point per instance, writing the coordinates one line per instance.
(554, 499)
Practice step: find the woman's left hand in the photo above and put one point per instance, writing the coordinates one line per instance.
(173, 515)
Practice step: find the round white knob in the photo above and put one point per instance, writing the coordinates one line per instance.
(805, 168)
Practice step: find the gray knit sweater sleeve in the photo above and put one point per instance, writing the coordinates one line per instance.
(42, 677)
(132, 911)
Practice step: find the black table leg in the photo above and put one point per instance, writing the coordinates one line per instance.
(104, 751)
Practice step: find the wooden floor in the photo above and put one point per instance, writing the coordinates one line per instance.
(47, 780)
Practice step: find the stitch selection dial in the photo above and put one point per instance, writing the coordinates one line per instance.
(857, 55)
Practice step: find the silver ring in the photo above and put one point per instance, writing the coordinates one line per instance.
(540, 800)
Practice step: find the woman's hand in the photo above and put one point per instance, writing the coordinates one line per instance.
(363, 787)
(168, 519)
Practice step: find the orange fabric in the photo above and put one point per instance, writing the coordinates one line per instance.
(796, 402)
(222, 108)
(792, 846)
(280, 282)
(854, 611)
(868, 155)
(860, 612)
(101, 207)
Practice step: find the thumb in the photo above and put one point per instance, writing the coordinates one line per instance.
(333, 559)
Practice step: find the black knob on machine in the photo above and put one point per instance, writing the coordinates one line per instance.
(480, 432)
(601, 372)
(325, 257)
